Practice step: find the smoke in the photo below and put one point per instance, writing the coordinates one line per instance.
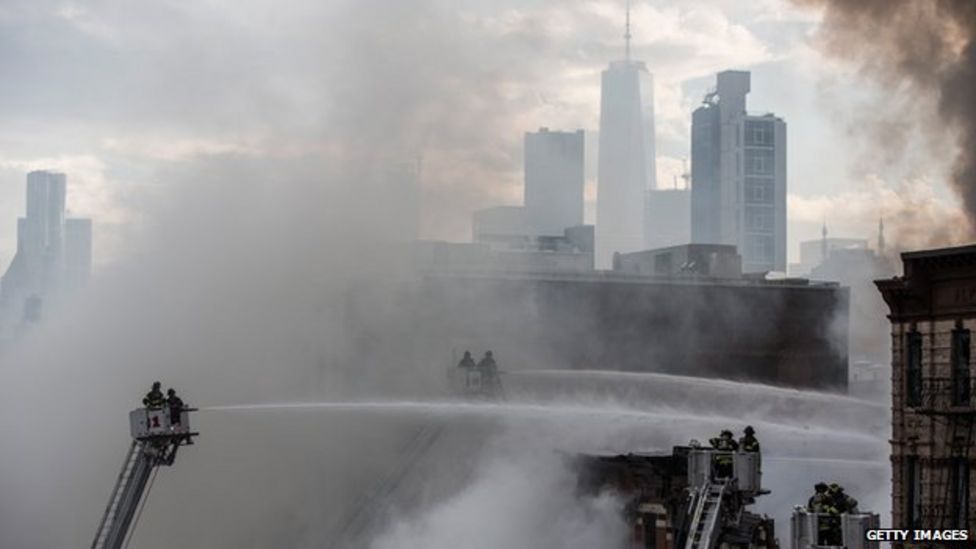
(263, 193)
(924, 56)
(529, 496)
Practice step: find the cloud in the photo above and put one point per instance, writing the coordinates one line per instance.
(918, 213)
(170, 81)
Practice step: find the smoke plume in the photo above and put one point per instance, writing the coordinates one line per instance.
(924, 54)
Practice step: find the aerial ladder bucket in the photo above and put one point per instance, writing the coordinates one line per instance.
(156, 436)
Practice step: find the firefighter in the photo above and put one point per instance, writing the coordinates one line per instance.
(175, 404)
(725, 441)
(466, 361)
(749, 442)
(818, 501)
(840, 501)
(488, 365)
(154, 399)
(489, 374)
(726, 444)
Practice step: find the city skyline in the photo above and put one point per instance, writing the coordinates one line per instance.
(124, 146)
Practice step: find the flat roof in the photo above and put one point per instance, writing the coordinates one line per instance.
(940, 252)
(612, 276)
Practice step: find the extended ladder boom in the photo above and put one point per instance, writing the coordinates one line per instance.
(155, 440)
(708, 508)
(125, 497)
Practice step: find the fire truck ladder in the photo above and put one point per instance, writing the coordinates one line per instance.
(154, 444)
(704, 522)
(129, 488)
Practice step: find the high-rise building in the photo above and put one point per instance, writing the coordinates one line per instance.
(553, 181)
(50, 251)
(77, 252)
(667, 218)
(738, 173)
(627, 162)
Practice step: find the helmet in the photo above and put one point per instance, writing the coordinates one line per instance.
(834, 487)
(156, 385)
(749, 430)
(170, 391)
(820, 487)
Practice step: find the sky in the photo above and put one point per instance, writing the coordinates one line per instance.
(118, 95)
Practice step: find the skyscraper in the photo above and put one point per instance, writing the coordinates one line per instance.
(553, 181)
(42, 264)
(738, 173)
(627, 163)
(77, 252)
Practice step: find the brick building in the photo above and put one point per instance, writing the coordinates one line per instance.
(784, 332)
(933, 314)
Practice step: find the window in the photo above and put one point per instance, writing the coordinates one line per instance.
(913, 493)
(960, 367)
(759, 190)
(759, 219)
(913, 369)
(759, 132)
(759, 248)
(759, 161)
(960, 492)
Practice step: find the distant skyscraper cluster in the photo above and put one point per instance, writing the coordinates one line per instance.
(735, 194)
(53, 252)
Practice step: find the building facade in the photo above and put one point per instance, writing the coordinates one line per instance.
(687, 260)
(794, 336)
(627, 165)
(815, 252)
(667, 220)
(933, 314)
(553, 180)
(738, 173)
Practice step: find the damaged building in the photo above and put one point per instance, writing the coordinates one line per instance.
(783, 332)
(933, 313)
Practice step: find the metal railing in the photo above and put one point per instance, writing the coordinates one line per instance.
(942, 395)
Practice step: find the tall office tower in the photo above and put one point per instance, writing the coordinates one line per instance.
(77, 252)
(39, 269)
(627, 162)
(738, 174)
(44, 222)
(553, 181)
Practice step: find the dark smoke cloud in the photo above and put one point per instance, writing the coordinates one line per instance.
(924, 53)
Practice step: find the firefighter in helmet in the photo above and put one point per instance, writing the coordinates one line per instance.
(176, 405)
(154, 399)
(723, 460)
(818, 500)
(489, 372)
(841, 501)
(466, 361)
(749, 442)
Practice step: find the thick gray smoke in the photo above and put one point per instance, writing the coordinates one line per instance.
(924, 54)
(234, 292)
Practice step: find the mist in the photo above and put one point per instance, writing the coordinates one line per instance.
(231, 285)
